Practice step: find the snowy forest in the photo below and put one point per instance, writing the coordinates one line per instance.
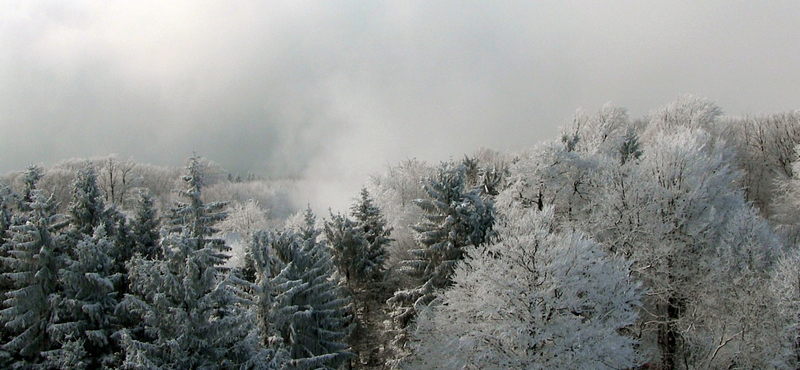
(668, 241)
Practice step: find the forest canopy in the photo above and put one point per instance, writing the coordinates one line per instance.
(667, 241)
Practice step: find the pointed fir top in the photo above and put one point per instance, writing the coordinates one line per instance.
(364, 208)
(308, 230)
(195, 173)
(30, 179)
(86, 208)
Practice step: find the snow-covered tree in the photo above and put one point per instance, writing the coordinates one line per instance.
(30, 179)
(86, 210)
(677, 214)
(726, 323)
(394, 192)
(144, 225)
(34, 258)
(115, 177)
(348, 247)
(244, 219)
(538, 299)
(190, 317)
(688, 112)
(630, 147)
(786, 205)
(191, 213)
(84, 319)
(455, 217)
(358, 245)
(785, 288)
(6, 213)
(265, 267)
(371, 221)
(551, 174)
(310, 312)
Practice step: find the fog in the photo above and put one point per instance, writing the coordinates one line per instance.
(333, 91)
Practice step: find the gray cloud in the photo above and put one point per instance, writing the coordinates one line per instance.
(336, 90)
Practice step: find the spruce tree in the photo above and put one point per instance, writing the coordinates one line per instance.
(358, 246)
(6, 213)
(190, 316)
(30, 179)
(349, 248)
(455, 217)
(34, 258)
(86, 211)
(144, 225)
(309, 312)
(85, 320)
(372, 224)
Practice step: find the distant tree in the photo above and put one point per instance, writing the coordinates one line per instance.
(34, 258)
(550, 174)
(115, 178)
(371, 221)
(144, 225)
(244, 219)
(538, 299)
(86, 210)
(630, 148)
(30, 179)
(765, 150)
(358, 245)
(689, 112)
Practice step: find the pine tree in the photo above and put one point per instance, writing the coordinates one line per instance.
(455, 217)
(84, 313)
(144, 226)
(192, 214)
(372, 224)
(6, 214)
(310, 312)
(190, 316)
(629, 149)
(86, 211)
(349, 248)
(265, 267)
(30, 179)
(34, 258)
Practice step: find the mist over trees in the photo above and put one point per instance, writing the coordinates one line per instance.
(667, 241)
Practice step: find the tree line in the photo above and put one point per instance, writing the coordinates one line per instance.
(667, 241)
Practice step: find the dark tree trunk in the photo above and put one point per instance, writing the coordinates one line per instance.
(668, 336)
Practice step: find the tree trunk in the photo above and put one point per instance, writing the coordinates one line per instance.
(668, 336)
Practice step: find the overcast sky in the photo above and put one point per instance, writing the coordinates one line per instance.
(336, 90)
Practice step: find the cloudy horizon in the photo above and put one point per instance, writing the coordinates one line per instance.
(333, 91)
